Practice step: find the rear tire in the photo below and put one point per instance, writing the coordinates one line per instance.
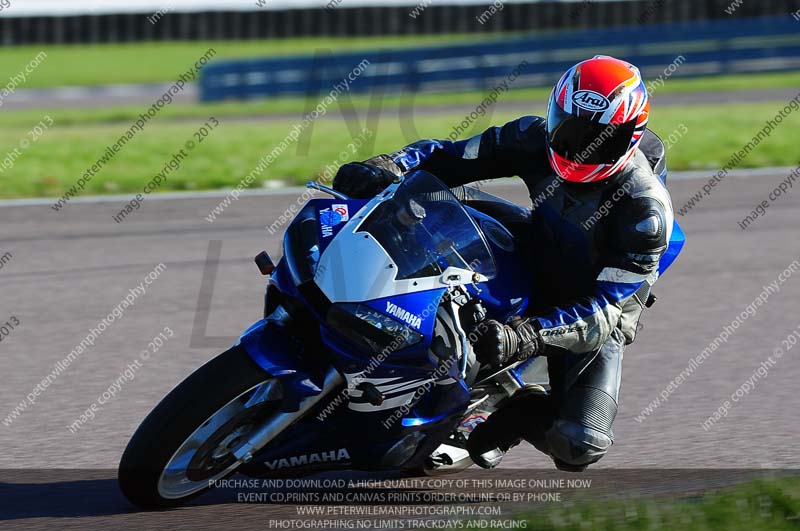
(178, 418)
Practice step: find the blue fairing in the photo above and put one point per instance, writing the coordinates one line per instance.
(507, 294)
(274, 350)
(271, 349)
(420, 308)
(282, 279)
(280, 356)
(676, 242)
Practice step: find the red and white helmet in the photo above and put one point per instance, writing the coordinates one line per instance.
(595, 118)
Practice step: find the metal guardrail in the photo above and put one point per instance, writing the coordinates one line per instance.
(708, 48)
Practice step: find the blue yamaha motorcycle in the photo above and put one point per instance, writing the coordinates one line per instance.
(363, 359)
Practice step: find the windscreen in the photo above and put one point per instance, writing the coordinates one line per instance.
(424, 230)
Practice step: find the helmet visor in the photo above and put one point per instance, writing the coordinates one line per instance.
(586, 142)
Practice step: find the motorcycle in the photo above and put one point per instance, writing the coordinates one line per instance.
(363, 360)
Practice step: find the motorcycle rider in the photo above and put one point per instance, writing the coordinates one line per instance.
(601, 221)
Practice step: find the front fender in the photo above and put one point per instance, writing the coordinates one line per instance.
(272, 348)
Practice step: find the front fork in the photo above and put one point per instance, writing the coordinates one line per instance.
(272, 349)
(275, 425)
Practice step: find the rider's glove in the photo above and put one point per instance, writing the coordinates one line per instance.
(530, 342)
(365, 180)
(498, 344)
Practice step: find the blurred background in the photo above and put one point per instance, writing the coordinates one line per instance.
(92, 67)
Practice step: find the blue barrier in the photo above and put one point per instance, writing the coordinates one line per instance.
(709, 48)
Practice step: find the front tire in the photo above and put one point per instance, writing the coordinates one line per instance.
(184, 444)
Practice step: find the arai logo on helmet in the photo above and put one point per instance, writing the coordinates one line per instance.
(590, 100)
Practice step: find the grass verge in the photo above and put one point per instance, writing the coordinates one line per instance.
(698, 137)
(764, 505)
(291, 105)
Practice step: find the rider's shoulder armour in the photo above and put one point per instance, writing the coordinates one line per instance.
(642, 221)
(526, 134)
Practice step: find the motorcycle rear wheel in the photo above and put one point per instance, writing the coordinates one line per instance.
(184, 445)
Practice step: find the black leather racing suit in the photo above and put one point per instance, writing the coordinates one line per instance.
(594, 251)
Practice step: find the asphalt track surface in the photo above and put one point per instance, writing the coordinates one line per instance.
(72, 268)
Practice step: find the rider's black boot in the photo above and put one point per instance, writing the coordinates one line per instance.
(526, 415)
(490, 440)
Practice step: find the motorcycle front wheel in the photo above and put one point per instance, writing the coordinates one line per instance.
(185, 444)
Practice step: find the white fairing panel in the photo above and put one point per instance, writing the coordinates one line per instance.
(355, 268)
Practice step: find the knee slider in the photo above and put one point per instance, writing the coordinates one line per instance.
(575, 444)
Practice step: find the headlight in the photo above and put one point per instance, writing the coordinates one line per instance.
(370, 329)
